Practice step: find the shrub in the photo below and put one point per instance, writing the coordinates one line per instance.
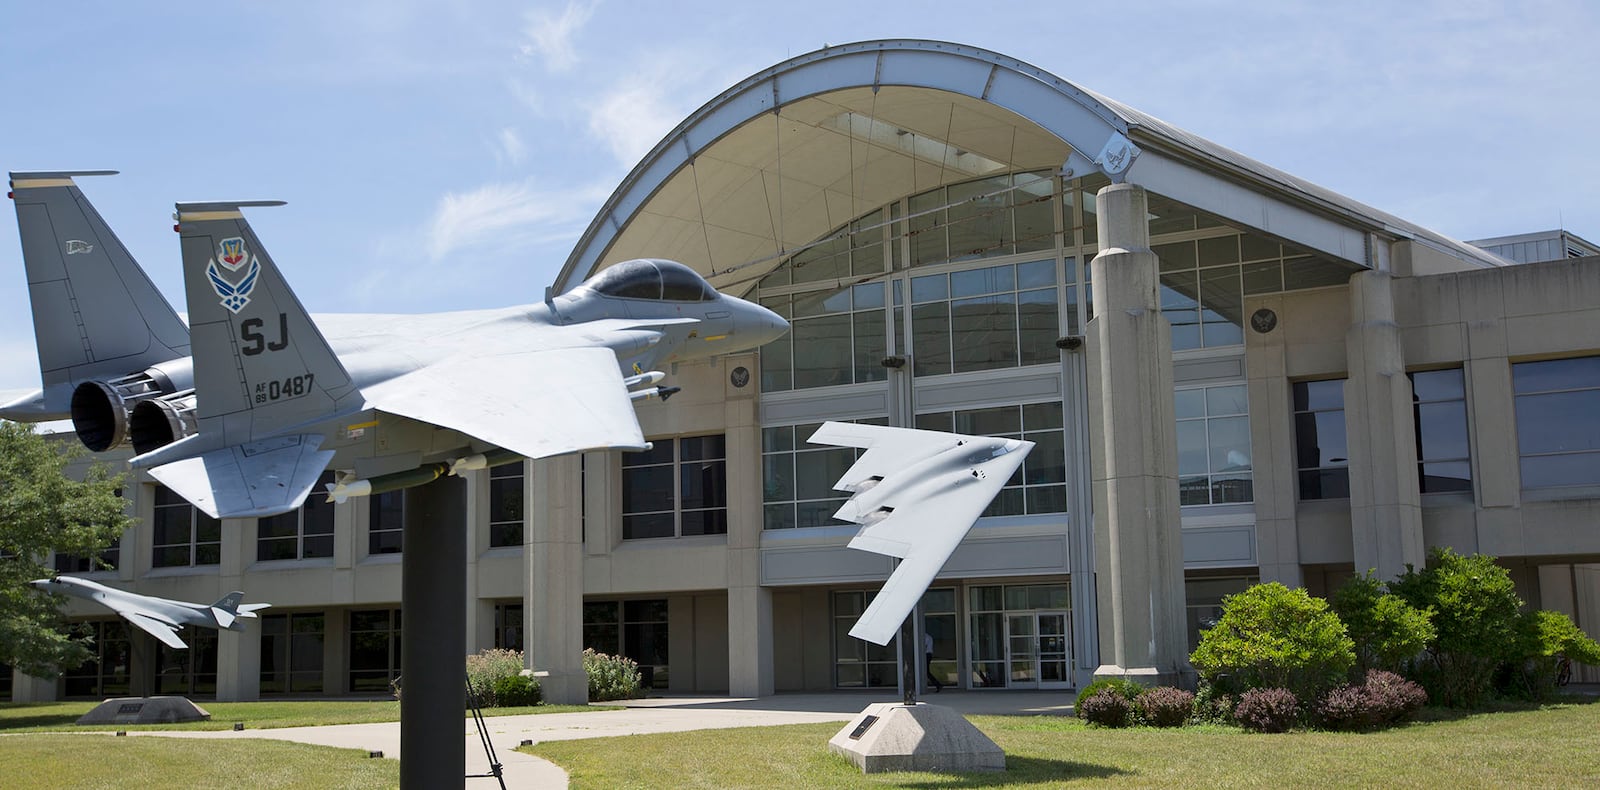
(1387, 630)
(1270, 636)
(1164, 706)
(1347, 708)
(1267, 710)
(1213, 705)
(1393, 698)
(1476, 614)
(485, 669)
(513, 691)
(611, 677)
(1127, 688)
(1546, 637)
(1107, 707)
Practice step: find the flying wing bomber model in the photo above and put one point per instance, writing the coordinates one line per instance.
(916, 495)
(159, 617)
(241, 410)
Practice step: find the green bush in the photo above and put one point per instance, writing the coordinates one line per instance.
(611, 677)
(516, 691)
(1127, 688)
(1270, 636)
(1476, 614)
(1214, 705)
(1387, 630)
(486, 669)
(1545, 638)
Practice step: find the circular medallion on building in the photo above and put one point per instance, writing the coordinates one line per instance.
(739, 377)
(1264, 320)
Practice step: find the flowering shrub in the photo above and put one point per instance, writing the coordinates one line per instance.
(1164, 706)
(486, 669)
(1347, 708)
(1107, 707)
(611, 677)
(1267, 710)
(1393, 698)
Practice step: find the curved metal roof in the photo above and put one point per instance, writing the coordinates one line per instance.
(797, 150)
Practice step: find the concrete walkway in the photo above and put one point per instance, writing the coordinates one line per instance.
(656, 714)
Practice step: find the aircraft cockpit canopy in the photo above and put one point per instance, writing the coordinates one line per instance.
(653, 278)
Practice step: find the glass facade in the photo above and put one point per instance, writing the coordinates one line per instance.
(1322, 459)
(107, 672)
(1040, 485)
(291, 652)
(507, 511)
(1444, 462)
(192, 671)
(678, 488)
(635, 629)
(299, 534)
(183, 534)
(386, 515)
(1213, 445)
(374, 650)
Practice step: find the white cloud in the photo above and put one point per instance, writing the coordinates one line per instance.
(510, 149)
(551, 36)
(633, 116)
(505, 215)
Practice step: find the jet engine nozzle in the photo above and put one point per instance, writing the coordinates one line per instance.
(101, 408)
(160, 421)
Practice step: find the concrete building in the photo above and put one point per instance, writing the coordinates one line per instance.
(1231, 374)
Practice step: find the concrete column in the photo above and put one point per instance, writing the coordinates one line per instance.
(1380, 427)
(1133, 431)
(1272, 446)
(239, 664)
(433, 643)
(553, 611)
(336, 649)
(750, 661)
(27, 688)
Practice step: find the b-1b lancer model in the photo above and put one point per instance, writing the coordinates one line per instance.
(241, 410)
(159, 617)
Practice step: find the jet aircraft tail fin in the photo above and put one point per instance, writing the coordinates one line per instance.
(95, 312)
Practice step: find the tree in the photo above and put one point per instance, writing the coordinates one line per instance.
(1270, 636)
(42, 509)
(1387, 630)
(1477, 617)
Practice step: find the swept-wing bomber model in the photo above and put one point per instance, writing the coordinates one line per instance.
(241, 410)
(916, 495)
(160, 617)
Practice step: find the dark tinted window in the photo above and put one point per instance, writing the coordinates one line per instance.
(679, 283)
(653, 279)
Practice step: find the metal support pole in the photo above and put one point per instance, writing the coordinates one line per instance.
(433, 598)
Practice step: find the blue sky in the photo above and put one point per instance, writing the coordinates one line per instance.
(446, 155)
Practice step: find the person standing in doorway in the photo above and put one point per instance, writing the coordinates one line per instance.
(927, 653)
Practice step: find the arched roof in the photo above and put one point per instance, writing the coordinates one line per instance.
(797, 150)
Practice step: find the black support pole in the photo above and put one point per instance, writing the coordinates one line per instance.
(433, 599)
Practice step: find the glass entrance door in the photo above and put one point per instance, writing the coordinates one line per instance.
(1039, 653)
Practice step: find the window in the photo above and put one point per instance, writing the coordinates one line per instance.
(299, 534)
(676, 489)
(1213, 445)
(835, 337)
(192, 670)
(1203, 602)
(374, 650)
(1321, 459)
(1439, 399)
(797, 478)
(1005, 640)
(983, 319)
(386, 518)
(291, 652)
(859, 663)
(636, 629)
(506, 511)
(183, 534)
(508, 626)
(72, 563)
(1040, 486)
(105, 674)
(1558, 421)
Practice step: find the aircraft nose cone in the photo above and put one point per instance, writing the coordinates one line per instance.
(40, 584)
(769, 325)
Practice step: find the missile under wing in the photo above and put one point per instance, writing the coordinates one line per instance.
(916, 495)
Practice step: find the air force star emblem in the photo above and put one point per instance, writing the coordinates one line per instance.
(232, 254)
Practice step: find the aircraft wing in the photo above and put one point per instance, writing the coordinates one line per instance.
(156, 627)
(534, 403)
(917, 494)
(253, 479)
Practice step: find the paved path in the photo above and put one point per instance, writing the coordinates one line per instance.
(658, 714)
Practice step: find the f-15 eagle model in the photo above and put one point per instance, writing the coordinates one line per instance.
(160, 617)
(241, 410)
(916, 495)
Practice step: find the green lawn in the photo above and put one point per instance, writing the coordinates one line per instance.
(1556, 746)
(59, 716)
(71, 761)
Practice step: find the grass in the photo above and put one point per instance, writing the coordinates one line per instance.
(68, 761)
(20, 717)
(1554, 746)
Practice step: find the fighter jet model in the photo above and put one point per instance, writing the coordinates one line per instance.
(916, 495)
(159, 617)
(241, 410)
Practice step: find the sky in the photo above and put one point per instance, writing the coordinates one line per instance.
(447, 155)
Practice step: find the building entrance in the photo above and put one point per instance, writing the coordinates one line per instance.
(1039, 655)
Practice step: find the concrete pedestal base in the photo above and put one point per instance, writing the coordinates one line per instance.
(144, 710)
(890, 736)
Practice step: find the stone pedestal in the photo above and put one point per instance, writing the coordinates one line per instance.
(891, 736)
(144, 710)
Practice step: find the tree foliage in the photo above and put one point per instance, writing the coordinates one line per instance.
(1387, 630)
(1477, 616)
(43, 508)
(1270, 636)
